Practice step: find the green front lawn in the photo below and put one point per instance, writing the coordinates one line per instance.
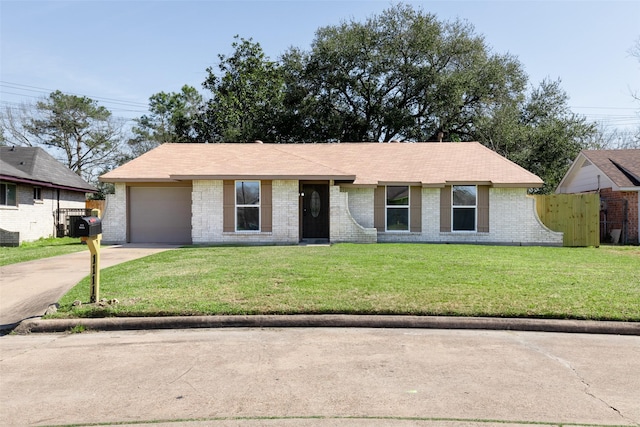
(460, 280)
(42, 248)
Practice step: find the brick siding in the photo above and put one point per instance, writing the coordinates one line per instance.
(34, 219)
(114, 217)
(207, 206)
(342, 224)
(616, 203)
(512, 218)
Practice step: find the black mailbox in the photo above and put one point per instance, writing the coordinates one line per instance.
(84, 226)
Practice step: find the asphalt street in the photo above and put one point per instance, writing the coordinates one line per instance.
(319, 377)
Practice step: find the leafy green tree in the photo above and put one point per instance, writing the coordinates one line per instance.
(75, 129)
(173, 117)
(246, 96)
(400, 75)
(540, 133)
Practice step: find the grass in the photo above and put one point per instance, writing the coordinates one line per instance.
(43, 248)
(460, 280)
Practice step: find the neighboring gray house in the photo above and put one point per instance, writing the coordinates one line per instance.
(33, 185)
(342, 192)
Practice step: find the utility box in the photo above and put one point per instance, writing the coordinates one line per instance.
(84, 226)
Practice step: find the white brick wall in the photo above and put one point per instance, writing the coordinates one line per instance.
(342, 226)
(207, 207)
(516, 217)
(361, 205)
(512, 218)
(206, 211)
(114, 217)
(286, 211)
(34, 219)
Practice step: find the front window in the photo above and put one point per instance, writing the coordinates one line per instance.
(37, 193)
(464, 207)
(247, 205)
(397, 208)
(8, 194)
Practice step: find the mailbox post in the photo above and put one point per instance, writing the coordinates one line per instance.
(91, 228)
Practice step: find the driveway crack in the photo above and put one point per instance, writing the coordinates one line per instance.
(587, 387)
(182, 375)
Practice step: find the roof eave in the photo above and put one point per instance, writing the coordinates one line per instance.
(264, 177)
(117, 180)
(48, 184)
(524, 184)
(517, 184)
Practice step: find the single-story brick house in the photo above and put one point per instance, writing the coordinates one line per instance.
(615, 175)
(342, 192)
(33, 186)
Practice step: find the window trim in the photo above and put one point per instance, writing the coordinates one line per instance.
(387, 207)
(37, 191)
(5, 196)
(475, 209)
(236, 206)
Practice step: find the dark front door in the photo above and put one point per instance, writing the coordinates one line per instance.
(315, 211)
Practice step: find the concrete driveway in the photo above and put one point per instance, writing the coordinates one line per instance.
(27, 289)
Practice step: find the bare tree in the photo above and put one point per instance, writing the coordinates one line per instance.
(12, 121)
(76, 130)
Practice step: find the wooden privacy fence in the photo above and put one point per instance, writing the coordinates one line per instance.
(576, 215)
(95, 204)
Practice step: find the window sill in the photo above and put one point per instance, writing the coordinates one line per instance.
(455, 233)
(400, 232)
(8, 208)
(243, 233)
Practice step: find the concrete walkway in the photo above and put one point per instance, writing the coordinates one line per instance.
(27, 289)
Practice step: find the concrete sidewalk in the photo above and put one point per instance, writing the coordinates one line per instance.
(27, 289)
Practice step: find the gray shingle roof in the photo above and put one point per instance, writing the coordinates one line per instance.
(621, 166)
(35, 166)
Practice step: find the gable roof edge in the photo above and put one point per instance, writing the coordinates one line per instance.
(630, 175)
(574, 166)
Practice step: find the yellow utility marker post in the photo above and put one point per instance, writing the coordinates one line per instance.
(93, 242)
(91, 228)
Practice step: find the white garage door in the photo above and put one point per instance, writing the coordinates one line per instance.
(160, 215)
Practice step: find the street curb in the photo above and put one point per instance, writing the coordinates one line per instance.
(330, 321)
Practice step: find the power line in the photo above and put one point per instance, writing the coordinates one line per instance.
(33, 107)
(606, 108)
(10, 104)
(606, 119)
(29, 88)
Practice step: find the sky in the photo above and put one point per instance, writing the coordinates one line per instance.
(121, 52)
